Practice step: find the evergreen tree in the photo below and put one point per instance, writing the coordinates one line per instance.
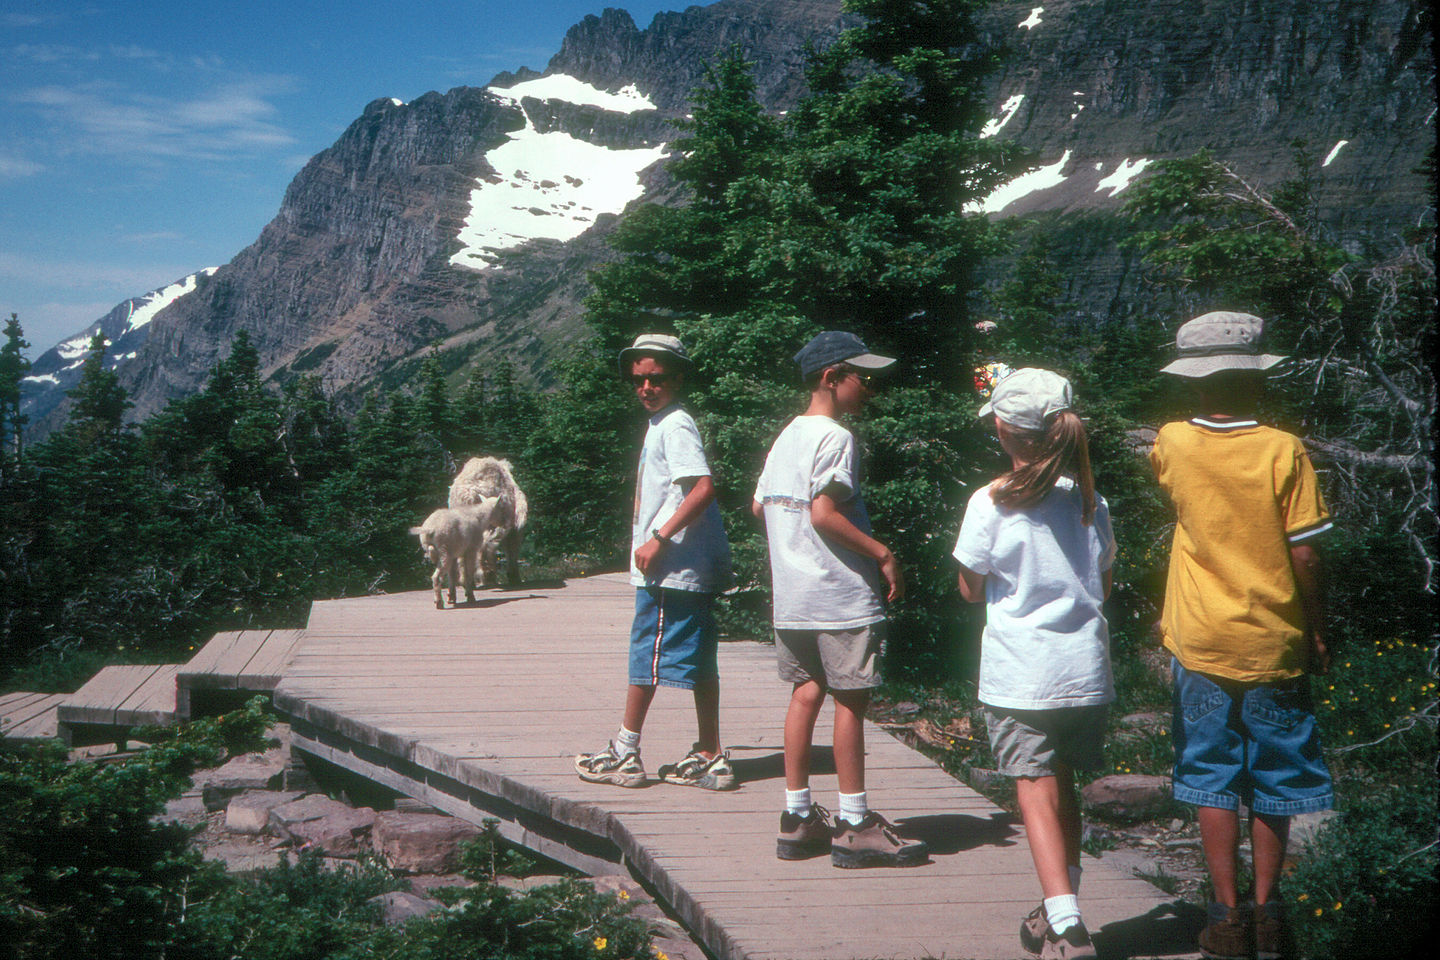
(849, 212)
(100, 401)
(13, 367)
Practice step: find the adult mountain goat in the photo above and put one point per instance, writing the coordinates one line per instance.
(482, 478)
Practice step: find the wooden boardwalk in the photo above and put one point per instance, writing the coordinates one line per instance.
(29, 716)
(116, 699)
(235, 662)
(479, 710)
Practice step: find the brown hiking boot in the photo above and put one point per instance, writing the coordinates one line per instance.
(1229, 935)
(804, 837)
(873, 842)
(1073, 944)
(1272, 933)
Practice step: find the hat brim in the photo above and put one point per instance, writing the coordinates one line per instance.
(631, 354)
(985, 410)
(869, 361)
(1196, 367)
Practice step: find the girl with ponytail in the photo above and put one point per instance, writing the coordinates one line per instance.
(1036, 547)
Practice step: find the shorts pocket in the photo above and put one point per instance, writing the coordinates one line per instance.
(1283, 707)
(1199, 696)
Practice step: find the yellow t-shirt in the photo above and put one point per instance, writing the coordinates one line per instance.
(1243, 494)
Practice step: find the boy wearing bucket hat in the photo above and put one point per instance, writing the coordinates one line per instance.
(679, 560)
(830, 579)
(1244, 620)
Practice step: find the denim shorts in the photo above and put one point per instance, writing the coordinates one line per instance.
(1255, 743)
(674, 640)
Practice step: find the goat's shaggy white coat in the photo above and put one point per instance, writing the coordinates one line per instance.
(482, 478)
(456, 536)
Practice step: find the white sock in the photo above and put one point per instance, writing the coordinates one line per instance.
(1063, 912)
(853, 806)
(1075, 873)
(798, 802)
(627, 741)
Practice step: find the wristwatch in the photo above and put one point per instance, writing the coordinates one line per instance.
(663, 539)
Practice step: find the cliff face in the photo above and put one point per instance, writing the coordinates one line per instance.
(472, 217)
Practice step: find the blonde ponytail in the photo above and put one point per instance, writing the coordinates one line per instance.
(1062, 449)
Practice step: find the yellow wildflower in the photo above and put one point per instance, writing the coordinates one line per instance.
(600, 943)
(622, 895)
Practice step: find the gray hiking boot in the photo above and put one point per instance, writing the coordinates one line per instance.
(696, 770)
(873, 842)
(1073, 944)
(804, 837)
(1033, 929)
(608, 766)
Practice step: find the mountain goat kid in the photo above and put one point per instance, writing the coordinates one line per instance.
(456, 536)
(482, 478)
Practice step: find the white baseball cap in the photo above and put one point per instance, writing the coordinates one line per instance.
(1028, 397)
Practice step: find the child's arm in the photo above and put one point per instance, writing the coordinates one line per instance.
(972, 585)
(1310, 578)
(826, 517)
(700, 495)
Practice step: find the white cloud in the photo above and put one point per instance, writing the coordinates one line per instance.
(13, 168)
(234, 117)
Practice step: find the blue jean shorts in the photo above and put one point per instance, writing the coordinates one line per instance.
(1254, 743)
(674, 640)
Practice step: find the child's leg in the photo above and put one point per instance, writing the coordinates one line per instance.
(1268, 836)
(637, 704)
(1220, 839)
(707, 716)
(806, 699)
(1041, 806)
(850, 706)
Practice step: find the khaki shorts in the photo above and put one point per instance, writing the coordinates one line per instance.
(840, 659)
(1028, 743)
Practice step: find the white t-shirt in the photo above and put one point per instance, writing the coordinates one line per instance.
(698, 557)
(817, 584)
(1046, 643)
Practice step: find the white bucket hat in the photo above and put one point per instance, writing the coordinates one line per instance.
(651, 344)
(1028, 397)
(1220, 341)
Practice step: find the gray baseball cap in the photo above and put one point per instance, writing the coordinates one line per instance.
(656, 344)
(838, 346)
(1028, 396)
(1217, 341)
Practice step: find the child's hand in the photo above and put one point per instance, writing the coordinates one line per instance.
(894, 577)
(1319, 652)
(645, 556)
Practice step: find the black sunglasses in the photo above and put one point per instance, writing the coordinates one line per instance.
(659, 379)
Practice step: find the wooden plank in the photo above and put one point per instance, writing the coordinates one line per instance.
(98, 699)
(30, 717)
(153, 702)
(268, 664)
(221, 658)
(490, 702)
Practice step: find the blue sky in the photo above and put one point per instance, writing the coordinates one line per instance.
(142, 140)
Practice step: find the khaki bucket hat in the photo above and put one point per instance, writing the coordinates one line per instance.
(1217, 341)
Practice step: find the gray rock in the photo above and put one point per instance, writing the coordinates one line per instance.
(241, 857)
(251, 771)
(189, 808)
(1127, 796)
(250, 811)
(397, 906)
(1304, 827)
(421, 842)
(341, 834)
(423, 884)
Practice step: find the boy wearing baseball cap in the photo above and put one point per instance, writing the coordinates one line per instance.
(830, 578)
(1244, 619)
(679, 560)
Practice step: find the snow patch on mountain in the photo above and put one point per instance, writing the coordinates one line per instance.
(1122, 176)
(1042, 178)
(1032, 21)
(1007, 110)
(143, 309)
(551, 185)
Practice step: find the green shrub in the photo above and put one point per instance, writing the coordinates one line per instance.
(1367, 888)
